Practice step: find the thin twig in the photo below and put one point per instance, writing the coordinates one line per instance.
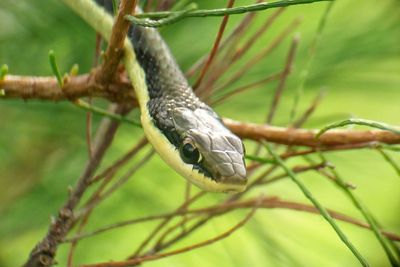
(256, 36)
(244, 88)
(89, 130)
(390, 161)
(262, 54)
(161, 22)
(235, 53)
(232, 38)
(294, 153)
(214, 48)
(116, 165)
(370, 123)
(109, 173)
(297, 170)
(231, 11)
(89, 118)
(117, 184)
(282, 81)
(167, 219)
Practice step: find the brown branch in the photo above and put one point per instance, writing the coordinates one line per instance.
(296, 169)
(233, 54)
(89, 117)
(106, 193)
(286, 71)
(302, 137)
(114, 167)
(246, 87)
(114, 51)
(106, 177)
(256, 36)
(294, 153)
(259, 56)
(232, 38)
(46, 88)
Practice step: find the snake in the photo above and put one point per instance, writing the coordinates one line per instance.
(187, 134)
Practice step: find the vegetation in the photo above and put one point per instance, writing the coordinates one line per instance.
(317, 66)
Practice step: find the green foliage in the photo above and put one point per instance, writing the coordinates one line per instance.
(43, 147)
(3, 71)
(86, 106)
(373, 124)
(54, 68)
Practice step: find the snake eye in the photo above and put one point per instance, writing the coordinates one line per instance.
(189, 153)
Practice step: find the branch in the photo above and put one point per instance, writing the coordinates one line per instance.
(114, 50)
(214, 48)
(228, 11)
(302, 137)
(283, 78)
(46, 88)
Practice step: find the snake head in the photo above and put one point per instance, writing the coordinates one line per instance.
(215, 153)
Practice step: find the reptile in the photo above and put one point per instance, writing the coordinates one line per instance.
(187, 134)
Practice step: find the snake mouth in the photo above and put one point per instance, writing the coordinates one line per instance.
(218, 183)
(234, 180)
(235, 184)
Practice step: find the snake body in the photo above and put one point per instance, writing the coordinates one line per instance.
(186, 133)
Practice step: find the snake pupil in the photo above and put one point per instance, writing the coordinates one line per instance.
(189, 153)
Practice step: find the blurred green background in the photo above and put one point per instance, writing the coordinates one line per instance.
(43, 147)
